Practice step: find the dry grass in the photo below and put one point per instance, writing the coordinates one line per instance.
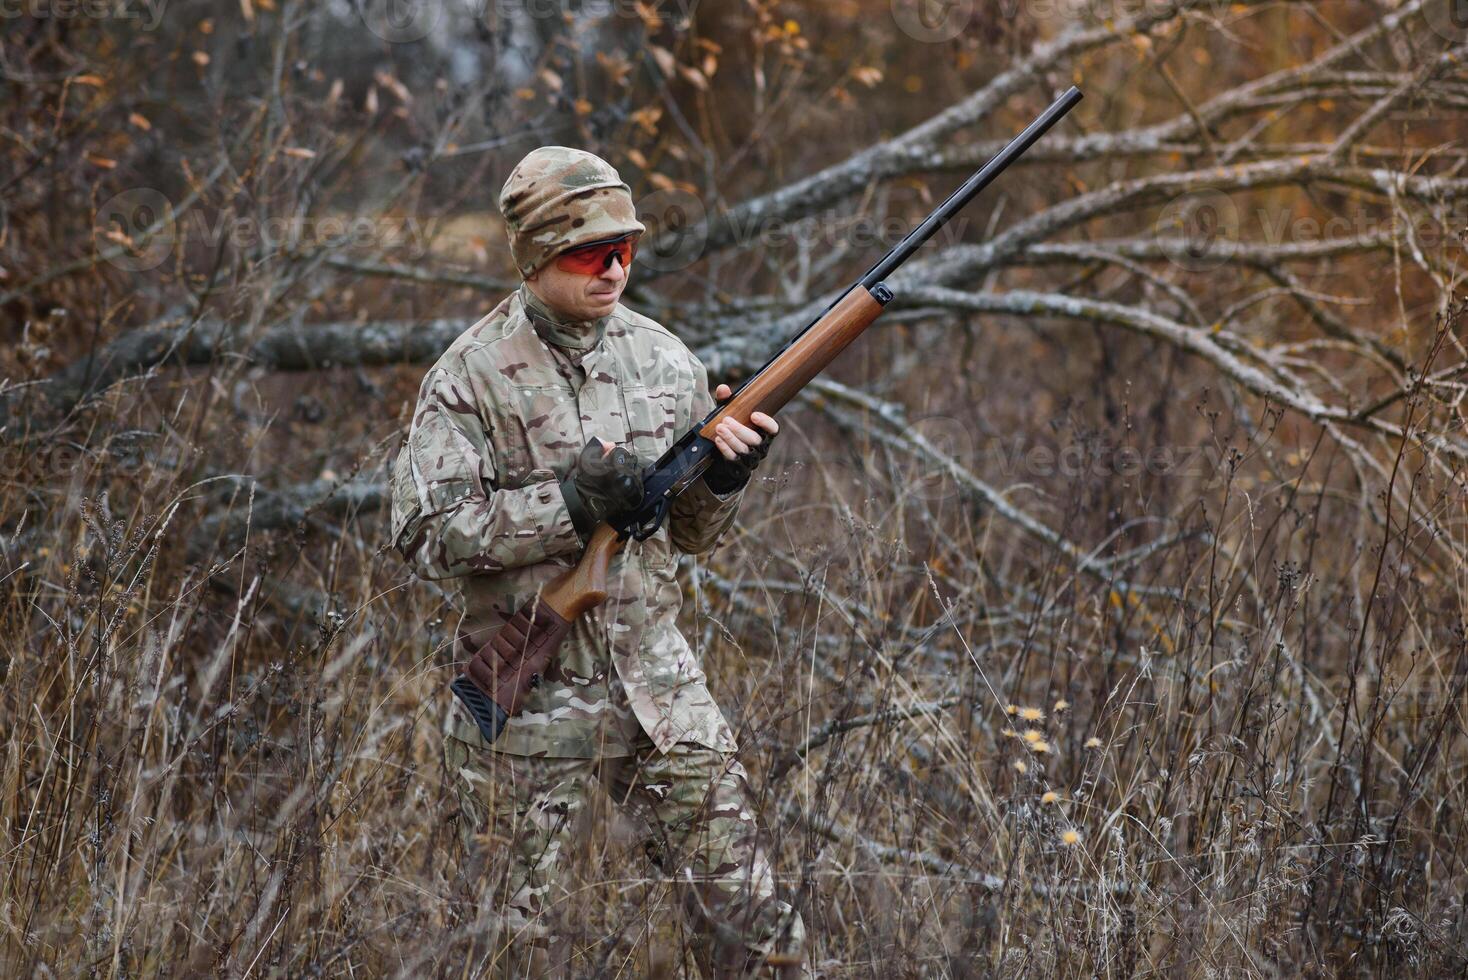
(230, 764)
(1056, 646)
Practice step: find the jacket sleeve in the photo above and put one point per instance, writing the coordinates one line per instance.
(699, 517)
(449, 516)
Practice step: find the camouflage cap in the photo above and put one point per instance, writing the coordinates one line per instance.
(557, 198)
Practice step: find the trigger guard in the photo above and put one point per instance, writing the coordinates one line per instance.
(650, 527)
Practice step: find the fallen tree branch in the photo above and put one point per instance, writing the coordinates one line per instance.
(792, 758)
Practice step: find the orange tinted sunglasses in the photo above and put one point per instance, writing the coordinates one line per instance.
(590, 259)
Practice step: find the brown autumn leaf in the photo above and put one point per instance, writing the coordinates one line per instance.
(651, 20)
(667, 64)
(391, 82)
(647, 118)
(139, 120)
(617, 68)
(694, 77)
(106, 163)
(300, 152)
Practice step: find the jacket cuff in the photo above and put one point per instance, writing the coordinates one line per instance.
(725, 481)
(558, 535)
(707, 500)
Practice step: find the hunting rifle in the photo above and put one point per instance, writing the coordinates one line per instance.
(498, 677)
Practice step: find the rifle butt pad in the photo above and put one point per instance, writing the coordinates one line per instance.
(498, 678)
(490, 717)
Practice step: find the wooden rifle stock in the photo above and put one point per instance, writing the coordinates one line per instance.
(499, 676)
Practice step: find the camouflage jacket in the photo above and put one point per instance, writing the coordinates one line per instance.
(500, 417)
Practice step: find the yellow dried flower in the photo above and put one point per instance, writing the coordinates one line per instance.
(1062, 704)
(1070, 837)
(1008, 732)
(1012, 709)
(1020, 767)
(1093, 742)
(1050, 797)
(1033, 735)
(1040, 747)
(1032, 714)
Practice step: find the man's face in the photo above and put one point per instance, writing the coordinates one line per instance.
(578, 296)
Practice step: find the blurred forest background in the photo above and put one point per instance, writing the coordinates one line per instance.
(1100, 613)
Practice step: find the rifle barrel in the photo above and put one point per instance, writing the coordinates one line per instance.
(1011, 152)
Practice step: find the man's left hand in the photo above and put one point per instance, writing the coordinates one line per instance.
(733, 437)
(742, 448)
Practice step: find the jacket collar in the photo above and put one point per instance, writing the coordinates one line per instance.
(579, 336)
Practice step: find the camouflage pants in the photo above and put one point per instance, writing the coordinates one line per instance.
(695, 804)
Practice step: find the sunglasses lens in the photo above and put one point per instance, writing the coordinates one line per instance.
(590, 260)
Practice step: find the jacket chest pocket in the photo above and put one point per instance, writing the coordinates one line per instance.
(652, 420)
(540, 429)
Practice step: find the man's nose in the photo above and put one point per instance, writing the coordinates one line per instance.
(614, 270)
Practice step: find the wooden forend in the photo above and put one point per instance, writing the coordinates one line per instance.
(769, 390)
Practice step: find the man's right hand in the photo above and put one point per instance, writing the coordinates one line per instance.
(604, 480)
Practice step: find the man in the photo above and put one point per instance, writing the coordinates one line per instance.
(529, 429)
